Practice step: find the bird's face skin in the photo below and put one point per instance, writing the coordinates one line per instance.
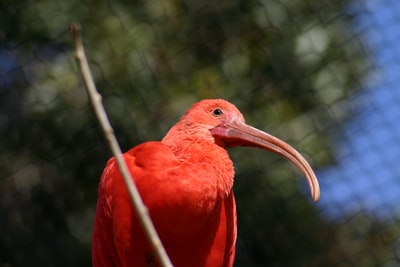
(227, 125)
(211, 113)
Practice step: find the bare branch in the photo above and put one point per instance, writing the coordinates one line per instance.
(95, 98)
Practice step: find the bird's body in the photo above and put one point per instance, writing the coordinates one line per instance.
(186, 183)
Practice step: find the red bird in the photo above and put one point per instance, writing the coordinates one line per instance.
(186, 183)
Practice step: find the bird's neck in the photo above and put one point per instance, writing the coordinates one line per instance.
(196, 148)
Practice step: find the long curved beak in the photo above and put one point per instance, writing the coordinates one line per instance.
(237, 133)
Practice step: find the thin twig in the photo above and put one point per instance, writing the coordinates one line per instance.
(95, 98)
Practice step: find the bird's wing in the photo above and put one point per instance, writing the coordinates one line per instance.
(114, 224)
(103, 250)
(231, 224)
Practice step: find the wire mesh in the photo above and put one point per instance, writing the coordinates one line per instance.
(320, 75)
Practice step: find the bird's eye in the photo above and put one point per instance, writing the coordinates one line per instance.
(217, 112)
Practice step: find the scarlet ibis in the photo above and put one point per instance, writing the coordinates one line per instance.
(186, 183)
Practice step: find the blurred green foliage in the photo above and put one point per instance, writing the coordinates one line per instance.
(290, 67)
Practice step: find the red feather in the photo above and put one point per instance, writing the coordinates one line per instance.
(186, 183)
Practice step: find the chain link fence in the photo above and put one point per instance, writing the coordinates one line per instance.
(320, 75)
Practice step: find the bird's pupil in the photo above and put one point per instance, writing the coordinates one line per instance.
(217, 111)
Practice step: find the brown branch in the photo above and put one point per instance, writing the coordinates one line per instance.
(95, 99)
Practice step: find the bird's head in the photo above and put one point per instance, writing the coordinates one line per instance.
(228, 127)
(225, 125)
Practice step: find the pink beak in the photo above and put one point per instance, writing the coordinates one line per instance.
(237, 133)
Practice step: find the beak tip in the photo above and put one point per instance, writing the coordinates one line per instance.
(313, 183)
(315, 194)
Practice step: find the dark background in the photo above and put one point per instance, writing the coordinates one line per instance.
(297, 69)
